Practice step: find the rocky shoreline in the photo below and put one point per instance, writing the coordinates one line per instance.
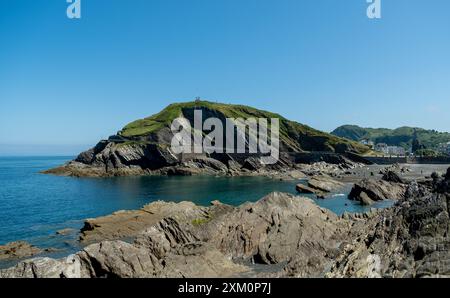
(200, 165)
(289, 236)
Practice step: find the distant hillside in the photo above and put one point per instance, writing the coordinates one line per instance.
(402, 136)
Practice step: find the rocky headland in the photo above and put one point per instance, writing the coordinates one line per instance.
(279, 236)
(143, 147)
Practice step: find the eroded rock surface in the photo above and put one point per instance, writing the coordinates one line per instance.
(324, 183)
(305, 189)
(377, 190)
(128, 223)
(18, 250)
(409, 240)
(390, 176)
(320, 185)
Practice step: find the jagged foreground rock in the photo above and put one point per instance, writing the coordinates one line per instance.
(409, 240)
(213, 242)
(290, 235)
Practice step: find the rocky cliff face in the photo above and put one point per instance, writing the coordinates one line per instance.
(143, 147)
(283, 234)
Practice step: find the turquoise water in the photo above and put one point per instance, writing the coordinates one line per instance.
(34, 206)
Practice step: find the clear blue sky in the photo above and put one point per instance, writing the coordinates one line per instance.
(65, 84)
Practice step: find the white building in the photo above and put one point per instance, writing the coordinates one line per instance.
(390, 150)
(381, 147)
(444, 148)
(396, 150)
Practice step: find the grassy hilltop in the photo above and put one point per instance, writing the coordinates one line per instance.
(293, 136)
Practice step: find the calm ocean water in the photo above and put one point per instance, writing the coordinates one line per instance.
(34, 206)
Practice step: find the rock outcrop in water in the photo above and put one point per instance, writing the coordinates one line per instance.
(144, 147)
(289, 236)
(368, 191)
(18, 250)
(304, 189)
(320, 185)
(130, 223)
(325, 183)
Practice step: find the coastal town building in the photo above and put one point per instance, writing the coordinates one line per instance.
(381, 147)
(444, 148)
(390, 150)
(396, 150)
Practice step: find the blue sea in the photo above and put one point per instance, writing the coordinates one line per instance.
(34, 206)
